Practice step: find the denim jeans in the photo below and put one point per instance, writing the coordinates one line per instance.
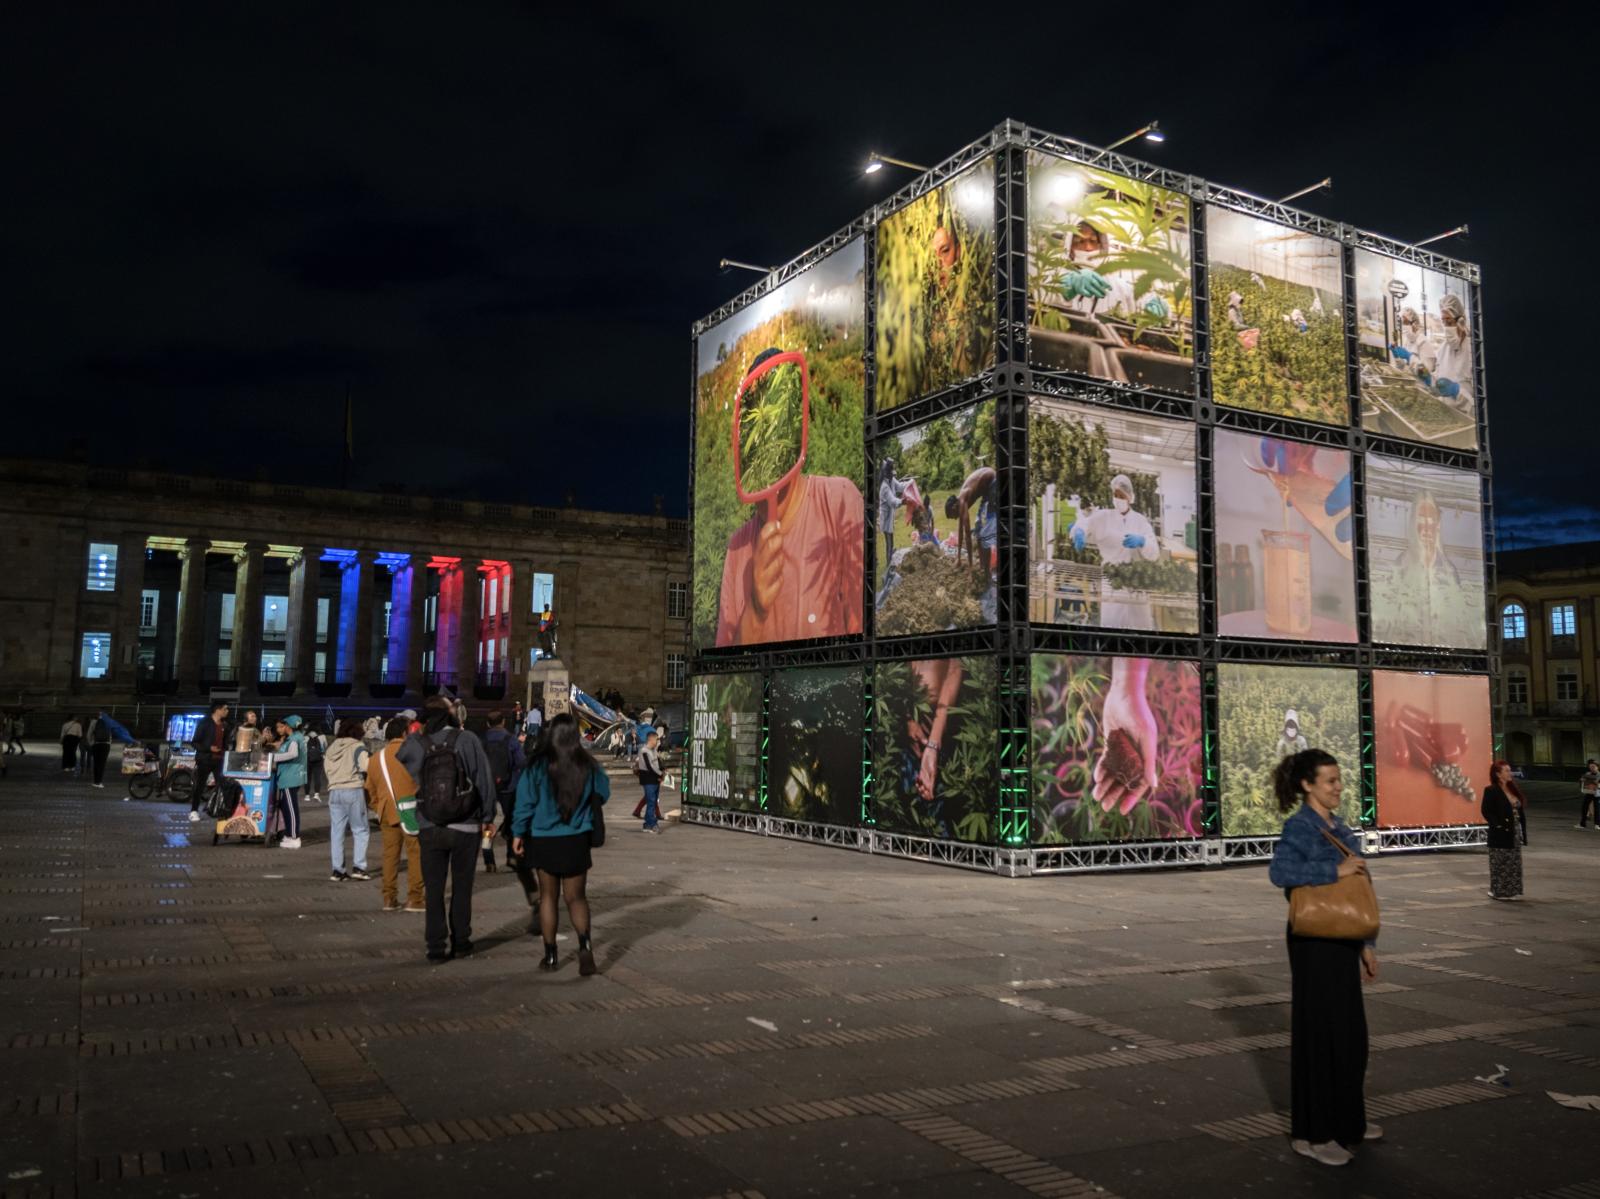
(652, 804)
(347, 809)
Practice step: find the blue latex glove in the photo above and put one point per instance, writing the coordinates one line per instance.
(1157, 307)
(1448, 388)
(1084, 283)
(1400, 352)
(1079, 537)
(1132, 541)
(1339, 501)
(1274, 455)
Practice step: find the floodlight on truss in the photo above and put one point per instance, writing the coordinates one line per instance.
(876, 162)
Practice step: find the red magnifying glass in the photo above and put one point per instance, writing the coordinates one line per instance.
(761, 416)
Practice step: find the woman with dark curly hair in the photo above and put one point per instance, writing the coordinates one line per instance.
(1502, 805)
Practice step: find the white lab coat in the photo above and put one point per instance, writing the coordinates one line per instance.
(1105, 528)
(1452, 359)
(1119, 298)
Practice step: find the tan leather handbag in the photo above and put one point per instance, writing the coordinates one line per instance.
(1344, 910)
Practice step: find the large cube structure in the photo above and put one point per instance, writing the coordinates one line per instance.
(1039, 512)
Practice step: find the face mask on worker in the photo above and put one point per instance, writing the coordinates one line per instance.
(1120, 504)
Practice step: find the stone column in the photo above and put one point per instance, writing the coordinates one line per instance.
(300, 655)
(191, 610)
(467, 632)
(358, 582)
(248, 614)
(400, 622)
(130, 591)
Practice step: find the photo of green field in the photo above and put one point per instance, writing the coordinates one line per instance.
(935, 748)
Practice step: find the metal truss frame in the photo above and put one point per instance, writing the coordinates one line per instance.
(1130, 855)
(1405, 840)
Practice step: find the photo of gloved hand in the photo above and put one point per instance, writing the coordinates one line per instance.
(1132, 541)
(1157, 307)
(1079, 539)
(1085, 283)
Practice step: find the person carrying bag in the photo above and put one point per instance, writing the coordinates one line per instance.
(392, 797)
(1332, 936)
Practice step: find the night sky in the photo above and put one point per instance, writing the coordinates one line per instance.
(494, 223)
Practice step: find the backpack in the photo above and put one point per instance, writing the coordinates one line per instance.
(314, 750)
(499, 753)
(446, 795)
(102, 734)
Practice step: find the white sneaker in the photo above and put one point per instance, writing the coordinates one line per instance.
(289, 843)
(194, 817)
(101, 786)
(1329, 1153)
(1374, 1132)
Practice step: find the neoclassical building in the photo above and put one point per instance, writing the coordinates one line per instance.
(126, 583)
(1549, 607)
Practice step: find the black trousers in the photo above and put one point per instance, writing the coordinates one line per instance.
(1328, 1042)
(1586, 805)
(206, 766)
(452, 855)
(98, 755)
(69, 751)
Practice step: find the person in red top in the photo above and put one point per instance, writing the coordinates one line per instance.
(794, 569)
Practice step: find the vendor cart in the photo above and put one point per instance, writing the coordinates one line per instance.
(248, 775)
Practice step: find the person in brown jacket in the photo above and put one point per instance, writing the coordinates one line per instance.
(387, 782)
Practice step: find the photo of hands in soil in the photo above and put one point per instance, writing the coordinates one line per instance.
(1425, 554)
(1432, 743)
(1285, 568)
(1277, 318)
(935, 756)
(778, 511)
(1111, 523)
(937, 526)
(1109, 276)
(1414, 344)
(1117, 749)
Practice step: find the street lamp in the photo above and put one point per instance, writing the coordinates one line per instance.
(1461, 229)
(1150, 133)
(1306, 191)
(746, 266)
(876, 162)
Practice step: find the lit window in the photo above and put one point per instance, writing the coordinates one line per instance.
(102, 567)
(544, 592)
(322, 617)
(1514, 622)
(275, 615)
(677, 601)
(676, 669)
(94, 658)
(227, 616)
(505, 643)
(149, 607)
(388, 613)
(494, 598)
(1563, 620)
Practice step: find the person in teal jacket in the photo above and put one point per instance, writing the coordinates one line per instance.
(558, 795)
(289, 778)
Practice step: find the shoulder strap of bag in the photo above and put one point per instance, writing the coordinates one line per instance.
(1338, 844)
(383, 765)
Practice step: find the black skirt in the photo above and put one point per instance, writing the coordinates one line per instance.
(1328, 1046)
(561, 856)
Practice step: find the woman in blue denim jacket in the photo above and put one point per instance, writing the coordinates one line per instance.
(1328, 1019)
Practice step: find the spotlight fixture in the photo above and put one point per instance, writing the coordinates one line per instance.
(876, 162)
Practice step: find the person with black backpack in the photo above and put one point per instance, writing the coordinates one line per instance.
(559, 817)
(99, 742)
(455, 809)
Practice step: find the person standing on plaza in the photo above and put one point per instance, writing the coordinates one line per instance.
(14, 737)
(1588, 790)
(455, 810)
(1328, 1019)
(650, 777)
(1502, 802)
(98, 740)
(289, 777)
(558, 798)
(83, 746)
(71, 734)
(316, 769)
(533, 723)
(506, 761)
(388, 783)
(209, 741)
(346, 763)
(247, 732)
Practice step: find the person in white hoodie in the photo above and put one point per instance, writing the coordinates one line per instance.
(346, 763)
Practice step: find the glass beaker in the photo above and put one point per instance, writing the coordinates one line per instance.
(1286, 567)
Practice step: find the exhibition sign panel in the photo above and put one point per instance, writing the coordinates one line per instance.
(725, 741)
(814, 745)
(1425, 554)
(936, 310)
(1285, 566)
(1266, 713)
(1112, 529)
(1414, 342)
(937, 525)
(1277, 318)
(1110, 271)
(935, 749)
(778, 511)
(1433, 744)
(1117, 749)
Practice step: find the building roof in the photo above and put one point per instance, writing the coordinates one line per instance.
(1578, 558)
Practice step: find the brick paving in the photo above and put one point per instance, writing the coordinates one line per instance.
(771, 1019)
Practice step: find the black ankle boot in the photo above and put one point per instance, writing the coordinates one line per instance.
(550, 961)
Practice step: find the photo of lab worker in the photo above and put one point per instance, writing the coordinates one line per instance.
(1121, 536)
(1425, 554)
(1415, 349)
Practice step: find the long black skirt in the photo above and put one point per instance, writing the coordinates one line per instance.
(1328, 1042)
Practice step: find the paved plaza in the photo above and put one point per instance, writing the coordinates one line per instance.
(770, 1019)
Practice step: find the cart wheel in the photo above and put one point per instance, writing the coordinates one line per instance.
(140, 786)
(180, 786)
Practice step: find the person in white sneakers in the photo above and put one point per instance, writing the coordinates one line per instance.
(289, 778)
(346, 763)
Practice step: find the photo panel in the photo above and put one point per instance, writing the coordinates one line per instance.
(1425, 554)
(936, 311)
(1414, 345)
(1110, 270)
(814, 744)
(1277, 318)
(937, 525)
(1111, 519)
(724, 768)
(935, 748)
(1266, 713)
(1118, 749)
(1433, 743)
(779, 462)
(1284, 561)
